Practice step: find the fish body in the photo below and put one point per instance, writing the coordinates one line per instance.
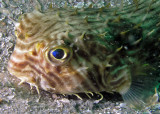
(69, 51)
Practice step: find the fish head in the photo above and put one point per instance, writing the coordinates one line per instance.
(68, 66)
(62, 53)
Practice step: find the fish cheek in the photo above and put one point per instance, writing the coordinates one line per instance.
(69, 84)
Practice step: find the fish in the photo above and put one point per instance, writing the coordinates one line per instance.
(86, 50)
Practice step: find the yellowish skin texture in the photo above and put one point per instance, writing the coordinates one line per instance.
(95, 56)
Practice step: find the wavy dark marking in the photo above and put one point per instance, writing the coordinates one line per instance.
(19, 65)
(98, 77)
(26, 45)
(32, 59)
(34, 31)
(118, 82)
(50, 27)
(45, 75)
(85, 80)
(49, 32)
(58, 79)
(109, 29)
(52, 83)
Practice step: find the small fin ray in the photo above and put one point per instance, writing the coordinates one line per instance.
(141, 94)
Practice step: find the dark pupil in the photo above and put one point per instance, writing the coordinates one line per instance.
(58, 53)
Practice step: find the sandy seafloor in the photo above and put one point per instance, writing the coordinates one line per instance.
(19, 99)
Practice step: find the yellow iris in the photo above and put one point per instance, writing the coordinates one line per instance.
(59, 54)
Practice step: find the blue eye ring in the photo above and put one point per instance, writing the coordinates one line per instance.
(58, 53)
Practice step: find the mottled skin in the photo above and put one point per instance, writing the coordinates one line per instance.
(106, 50)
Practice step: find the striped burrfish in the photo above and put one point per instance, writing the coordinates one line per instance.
(85, 50)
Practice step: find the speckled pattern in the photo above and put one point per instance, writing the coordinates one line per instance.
(20, 99)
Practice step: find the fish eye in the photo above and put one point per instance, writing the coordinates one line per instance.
(59, 54)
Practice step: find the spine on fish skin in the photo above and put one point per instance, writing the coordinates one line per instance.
(131, 33)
